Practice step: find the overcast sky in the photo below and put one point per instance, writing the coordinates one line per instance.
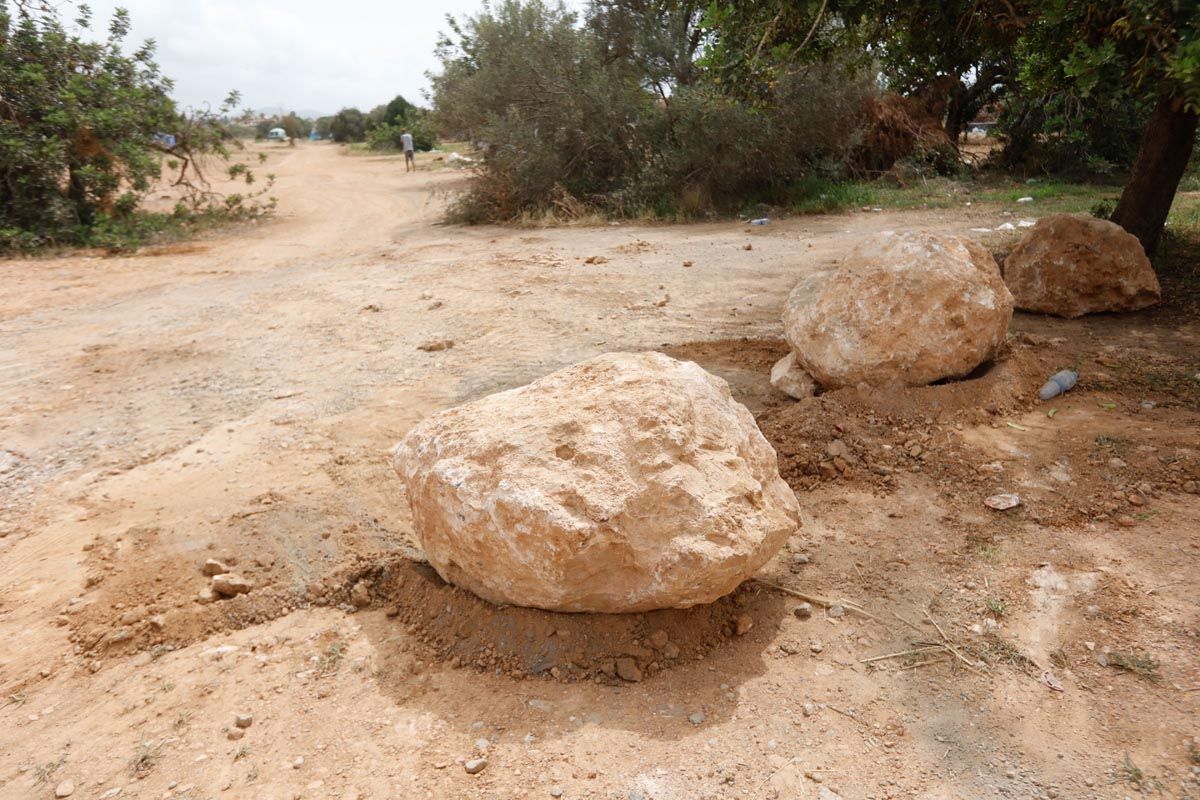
(317, 55)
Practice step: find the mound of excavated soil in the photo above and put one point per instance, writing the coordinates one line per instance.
(960, 436)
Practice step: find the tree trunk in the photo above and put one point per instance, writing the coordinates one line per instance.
(1161, 160)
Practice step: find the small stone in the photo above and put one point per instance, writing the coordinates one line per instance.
(64, 789)
(1116, 463)
(434, 345)
(298, 763)
(482, 745)
(158, 622)
(825, 793)
(658, 639)
(1126, 521)
(244, 720)
(816, 647)
(556, 791)
(803, 610)
(800, 560)
(697, 718)
(837, 449)
(1191, 487)
(627, 670)
(213, 567)
(809, 709)
(837, 611)
(229, 585)
(670, 651)
(205, 596)
(360, 595)
(475, 766)
(790, 379)
(745, 623)
(235, 734)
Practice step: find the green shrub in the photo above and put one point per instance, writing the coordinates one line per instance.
(566, 126)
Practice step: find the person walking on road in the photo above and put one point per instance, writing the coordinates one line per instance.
(409, 162)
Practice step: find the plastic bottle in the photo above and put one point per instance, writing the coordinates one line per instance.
(760, 221)
(1059, 382)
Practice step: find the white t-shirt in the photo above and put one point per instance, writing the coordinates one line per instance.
(406, 139)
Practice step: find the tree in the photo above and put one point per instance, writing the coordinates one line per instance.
(348, 125)
(85, 128)
(76, 119)
(1148, 48)
(607, 116)
(398, 111)
(657, 39)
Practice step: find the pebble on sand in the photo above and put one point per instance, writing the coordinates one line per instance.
(627, 670)
(475, 765)
(64, 789)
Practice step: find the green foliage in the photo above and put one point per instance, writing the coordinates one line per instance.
(572, 120)
(75, 121)
(387, 137)
(80, 125)
(348, 125)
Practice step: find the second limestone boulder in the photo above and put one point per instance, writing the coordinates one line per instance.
(904, 309)
(1071, 265)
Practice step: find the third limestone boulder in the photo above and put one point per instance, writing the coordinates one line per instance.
(1070, 266)
(904, 309)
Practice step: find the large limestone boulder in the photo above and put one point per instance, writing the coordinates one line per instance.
(625, 483)
(1070, 266)
(904, 309)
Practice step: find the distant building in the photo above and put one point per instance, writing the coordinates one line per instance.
(277, 135)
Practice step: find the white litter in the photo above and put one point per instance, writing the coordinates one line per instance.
(1024, 199)
(1026, 223)
(1008, 226)
(981, 230)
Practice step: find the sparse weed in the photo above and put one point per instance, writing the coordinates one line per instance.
(242, 752)
(43, 773)
(160, 650)
(1133, 774)
(331, 658)
(142, 763)
(997, 650)
(982, 547)
(182, 719)
(996, 606)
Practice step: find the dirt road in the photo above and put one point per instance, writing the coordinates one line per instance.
(237, 398)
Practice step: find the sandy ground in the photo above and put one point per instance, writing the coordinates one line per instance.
(238, 397)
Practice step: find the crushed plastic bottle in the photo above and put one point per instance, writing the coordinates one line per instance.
(1059, 383)
(760, 221)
